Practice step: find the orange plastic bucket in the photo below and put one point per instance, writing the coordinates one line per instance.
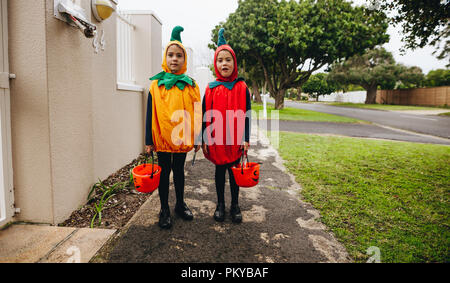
(146, 177)
(246, 175)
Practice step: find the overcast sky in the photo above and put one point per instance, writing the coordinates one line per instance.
(199, 17)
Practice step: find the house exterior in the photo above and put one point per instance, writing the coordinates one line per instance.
(77, 108)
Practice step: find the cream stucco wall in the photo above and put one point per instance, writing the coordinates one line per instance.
(71, 126)
(147, 62)
(30, 125)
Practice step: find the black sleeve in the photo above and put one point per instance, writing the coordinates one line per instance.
(148, 122)
(248, 118)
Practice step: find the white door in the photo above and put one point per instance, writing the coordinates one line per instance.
(6, 185)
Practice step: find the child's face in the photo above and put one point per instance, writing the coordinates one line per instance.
(175, 58)
(225, 63)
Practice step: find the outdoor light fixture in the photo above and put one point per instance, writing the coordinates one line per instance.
(103, 9)
(71, 13)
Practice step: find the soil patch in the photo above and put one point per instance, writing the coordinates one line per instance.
(119, 209)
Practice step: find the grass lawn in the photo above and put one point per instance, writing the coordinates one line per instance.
(444, 114)
(304, 115)
(385, 106)
(392, 195)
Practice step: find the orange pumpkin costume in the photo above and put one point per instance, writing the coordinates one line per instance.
(176, 110)
(174, 118)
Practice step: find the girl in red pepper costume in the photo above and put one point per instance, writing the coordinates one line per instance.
(226, 126)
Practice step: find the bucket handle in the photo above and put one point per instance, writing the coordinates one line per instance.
(153, 162)
(242, 160)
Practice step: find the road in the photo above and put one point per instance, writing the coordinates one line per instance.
(425, 124)
(356, 130)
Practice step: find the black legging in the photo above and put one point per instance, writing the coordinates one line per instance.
(220, 183)
(171, 162)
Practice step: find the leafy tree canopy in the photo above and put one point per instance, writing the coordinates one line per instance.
(318, 85)
(423, 22)
(439, 77)
(289, 40)
(376, 67)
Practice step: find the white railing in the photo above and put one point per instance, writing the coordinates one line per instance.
(125, 50)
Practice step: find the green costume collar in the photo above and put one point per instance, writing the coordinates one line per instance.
(169, 80)
(228, 85)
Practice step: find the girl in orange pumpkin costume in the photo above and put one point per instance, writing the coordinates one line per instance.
(173, 96)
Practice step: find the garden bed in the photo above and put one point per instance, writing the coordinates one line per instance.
(115, 197)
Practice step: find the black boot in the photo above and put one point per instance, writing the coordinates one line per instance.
(184, 212)
(235, 212)
(219, 214)
(164, 219)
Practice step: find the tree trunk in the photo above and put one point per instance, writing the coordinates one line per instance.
(299, 93)
(371, 95)
(279, 99)
(255, 92)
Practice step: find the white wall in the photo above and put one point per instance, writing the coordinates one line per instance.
(70, 124)
(350, 97)
(203, 76)
(190, 62)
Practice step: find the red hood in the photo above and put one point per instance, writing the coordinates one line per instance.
(234, 75)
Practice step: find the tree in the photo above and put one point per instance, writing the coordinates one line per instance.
(408, 77)
(289, 40)
(439, 77)
(254, 77)
(318, 85)
(411, 77)
(423, 22)
(376, 67)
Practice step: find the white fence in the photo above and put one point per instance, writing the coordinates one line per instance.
(350, 97)
(125, 50)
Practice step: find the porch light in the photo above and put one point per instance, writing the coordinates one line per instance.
(103, 9)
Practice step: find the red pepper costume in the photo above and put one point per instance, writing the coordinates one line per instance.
(225, 124)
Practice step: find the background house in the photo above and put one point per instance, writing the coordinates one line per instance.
(77, 104)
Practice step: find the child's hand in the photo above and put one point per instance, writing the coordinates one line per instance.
(245, 146)
(149, 148)
(197, 148)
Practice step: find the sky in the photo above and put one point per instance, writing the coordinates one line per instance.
(199, 17)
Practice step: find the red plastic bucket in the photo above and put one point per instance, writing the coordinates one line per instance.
(246, 175)
(146, 177)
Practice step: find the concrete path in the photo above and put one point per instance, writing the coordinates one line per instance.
(22, 243)
(278, 227)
